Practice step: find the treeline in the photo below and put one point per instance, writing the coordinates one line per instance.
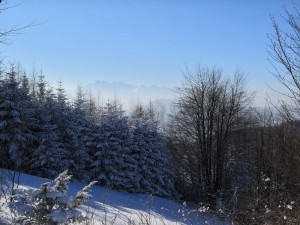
(43, 133)
(239, 161)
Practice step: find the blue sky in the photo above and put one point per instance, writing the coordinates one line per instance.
(141, 42)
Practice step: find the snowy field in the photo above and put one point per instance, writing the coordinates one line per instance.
(113, 207)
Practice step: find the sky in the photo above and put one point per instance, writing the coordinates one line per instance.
(141, 42)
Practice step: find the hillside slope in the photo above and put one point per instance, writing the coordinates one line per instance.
(115, 207)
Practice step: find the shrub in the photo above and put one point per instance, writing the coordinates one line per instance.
(49, 204)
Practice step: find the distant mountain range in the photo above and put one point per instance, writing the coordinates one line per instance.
(130, 94)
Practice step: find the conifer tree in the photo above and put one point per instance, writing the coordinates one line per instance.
(15, 137)
(112, 165)
(51, 157)
(150, 151)
(50, 204)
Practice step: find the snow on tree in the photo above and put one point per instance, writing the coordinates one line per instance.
(16, 139)
(42, 91)
(112, 165)
(42, 133)
(82, 127)
(49, 204)
(66, 141)
(149, 150)
(50, 156)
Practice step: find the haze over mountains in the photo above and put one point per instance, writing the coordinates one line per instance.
(160, 96)
(130, 94)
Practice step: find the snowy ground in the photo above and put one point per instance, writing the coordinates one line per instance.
(118, 208)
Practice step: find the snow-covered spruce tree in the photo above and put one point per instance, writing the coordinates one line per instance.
(149, 150)
(82, 125)
(49, 204)
(65, 127)
(67, 132)
(61, 130)
(113, 166)
(50, 156)
(74, 128)
(28, 107)
(16, 139)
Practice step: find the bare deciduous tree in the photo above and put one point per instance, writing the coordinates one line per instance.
(13, 30)
(209, 110)
(285, 57)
